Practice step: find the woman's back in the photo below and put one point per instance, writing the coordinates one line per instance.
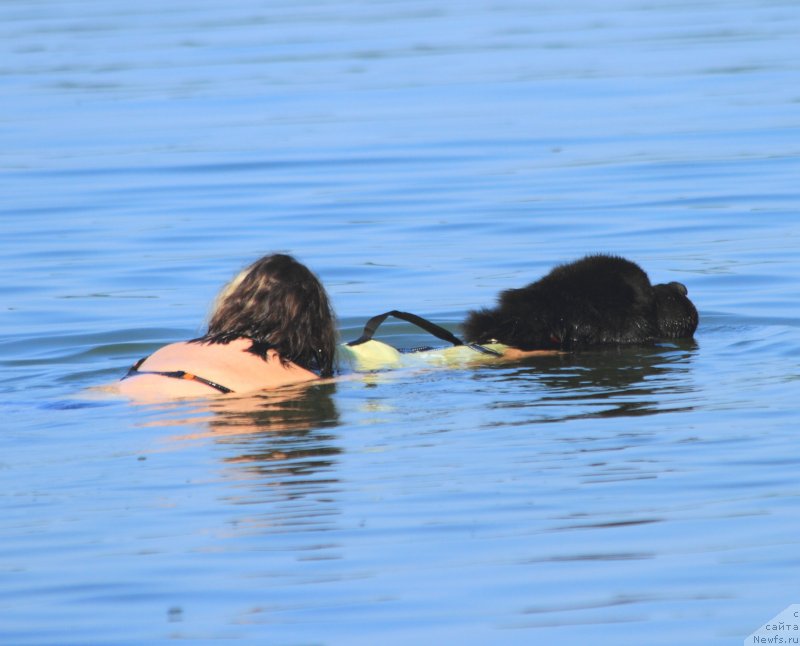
(184, 370)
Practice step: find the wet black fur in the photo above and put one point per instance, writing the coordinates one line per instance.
(599, 300)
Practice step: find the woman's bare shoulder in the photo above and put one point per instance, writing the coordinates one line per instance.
(230, 365)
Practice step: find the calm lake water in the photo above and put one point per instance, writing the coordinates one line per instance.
(419, 156)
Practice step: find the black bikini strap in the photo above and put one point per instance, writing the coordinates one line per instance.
(175, 374)
(436, 330)
(182, 374)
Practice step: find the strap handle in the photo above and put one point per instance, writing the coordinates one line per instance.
(438, 331)
(374, 323)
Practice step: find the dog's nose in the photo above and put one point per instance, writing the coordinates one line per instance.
(680, 287)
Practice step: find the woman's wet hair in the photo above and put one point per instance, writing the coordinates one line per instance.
(278, 303)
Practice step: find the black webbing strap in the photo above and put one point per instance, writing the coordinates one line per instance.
(374, 323)
(438, 331)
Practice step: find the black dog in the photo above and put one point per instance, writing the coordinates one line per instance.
(598, 300)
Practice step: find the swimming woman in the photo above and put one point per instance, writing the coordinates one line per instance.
(271, 326)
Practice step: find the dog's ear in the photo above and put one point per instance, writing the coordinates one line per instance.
(676, 315)
(481, 326)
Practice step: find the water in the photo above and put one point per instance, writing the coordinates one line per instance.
(418, 156)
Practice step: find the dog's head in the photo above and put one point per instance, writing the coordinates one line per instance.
(676, 314)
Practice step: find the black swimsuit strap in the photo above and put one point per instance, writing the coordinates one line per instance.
(174, 374)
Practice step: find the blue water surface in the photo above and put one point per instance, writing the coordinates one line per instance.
(419, 156)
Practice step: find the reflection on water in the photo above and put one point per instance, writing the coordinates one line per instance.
(629, 383)
(619, 382)
(276, 438)
(290, 409)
